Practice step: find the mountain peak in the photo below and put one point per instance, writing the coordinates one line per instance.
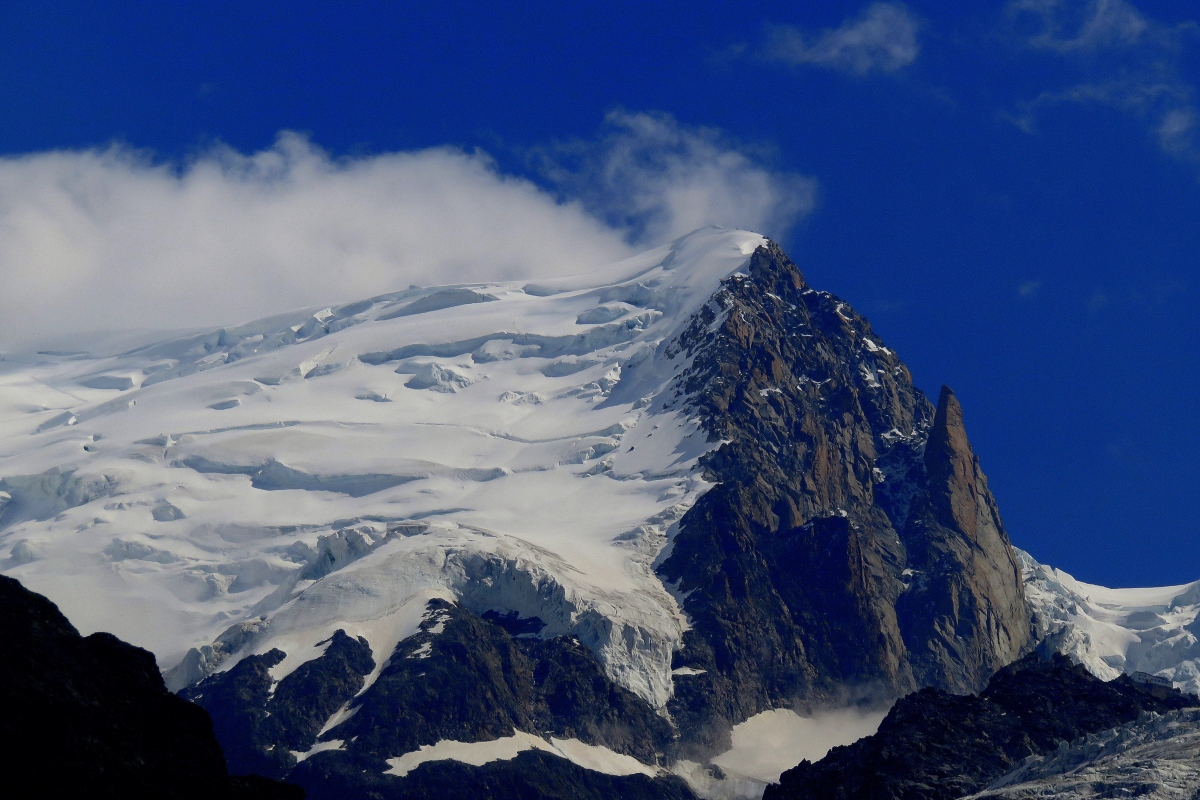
(717, 481)
(965, 613)
(953, 470)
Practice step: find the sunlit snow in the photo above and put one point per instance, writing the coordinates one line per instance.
(511, 446)
(1111, 631)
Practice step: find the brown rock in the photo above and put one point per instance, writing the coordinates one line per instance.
(964, 616)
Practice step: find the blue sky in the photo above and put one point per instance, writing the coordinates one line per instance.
(1010, 191)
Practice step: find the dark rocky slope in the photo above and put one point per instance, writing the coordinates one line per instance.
(851, 545)
(937, 746)
(258, 728)
(474, 681)
(532, 775)
(461, 677)
(91, 717)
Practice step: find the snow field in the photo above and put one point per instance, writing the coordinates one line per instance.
(1114, 631)
(513, 446)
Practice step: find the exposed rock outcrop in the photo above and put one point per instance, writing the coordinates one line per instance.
(260, 724)
(964, 612)
(461, 678)
(837, 554)
(467, 679)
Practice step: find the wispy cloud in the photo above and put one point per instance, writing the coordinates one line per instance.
(883, 38)
(1127, 60)
(1073, 27)
(657, 179)
(113, 239)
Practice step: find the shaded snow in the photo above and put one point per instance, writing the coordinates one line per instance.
(333, 744)
(773, 741)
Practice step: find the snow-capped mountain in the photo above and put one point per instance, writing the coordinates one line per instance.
(595, 522)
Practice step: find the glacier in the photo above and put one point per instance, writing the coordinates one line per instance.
(1115, 631)
(515, 447)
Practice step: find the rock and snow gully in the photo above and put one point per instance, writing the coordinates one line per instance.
(635, 508)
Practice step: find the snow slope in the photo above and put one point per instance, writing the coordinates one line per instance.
(517, 447)
(1111, 631)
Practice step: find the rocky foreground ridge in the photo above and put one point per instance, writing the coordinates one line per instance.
(91, 717)
(938, 746)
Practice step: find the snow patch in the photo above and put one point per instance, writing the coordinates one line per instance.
(319, 747)
(686, 671)
(593, 757)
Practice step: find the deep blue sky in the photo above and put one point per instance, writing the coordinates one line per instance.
(1047, 271)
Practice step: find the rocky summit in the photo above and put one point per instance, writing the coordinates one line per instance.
(850, 541)
(579, 538)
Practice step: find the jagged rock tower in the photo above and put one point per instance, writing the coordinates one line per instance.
(851, 544)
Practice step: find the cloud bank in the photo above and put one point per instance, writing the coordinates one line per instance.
(881, 39)
(111, 239)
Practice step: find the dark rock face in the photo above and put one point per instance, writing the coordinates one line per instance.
(467, 679)
(461, 677)
(797, 564)
(91, 717)
(938, 746)
(532, 775)
(257, 728)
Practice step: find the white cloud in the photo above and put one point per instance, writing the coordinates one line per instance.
(659, 179)
(883, 38)
(1129, 62)
(110, 239)
(1076, 26)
